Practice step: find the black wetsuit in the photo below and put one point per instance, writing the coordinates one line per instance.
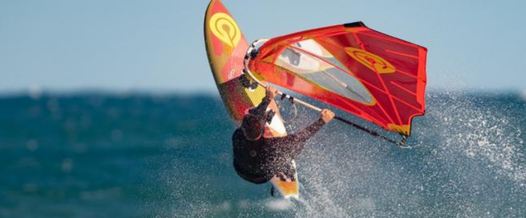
(258, 161)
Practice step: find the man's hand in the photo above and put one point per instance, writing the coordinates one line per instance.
(326, 115)
(271, 92)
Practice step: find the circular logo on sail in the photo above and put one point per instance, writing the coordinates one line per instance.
(370, 60)
(225, 28)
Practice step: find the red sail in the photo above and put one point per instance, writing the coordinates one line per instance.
(372, 75)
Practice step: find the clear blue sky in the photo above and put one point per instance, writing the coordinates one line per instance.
(158, 45)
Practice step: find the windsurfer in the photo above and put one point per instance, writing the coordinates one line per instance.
(256, 158)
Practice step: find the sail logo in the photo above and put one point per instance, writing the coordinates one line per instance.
(370, 60)
(225, 28)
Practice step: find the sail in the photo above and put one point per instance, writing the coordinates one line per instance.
(364, 72)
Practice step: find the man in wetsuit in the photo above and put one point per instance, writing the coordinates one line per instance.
(256, 158)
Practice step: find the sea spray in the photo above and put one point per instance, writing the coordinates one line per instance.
(138, 156)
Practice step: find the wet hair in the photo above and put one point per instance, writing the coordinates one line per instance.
(253, 127)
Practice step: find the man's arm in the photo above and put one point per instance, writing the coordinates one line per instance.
(270, 94)
(325, 117)
(294, 143)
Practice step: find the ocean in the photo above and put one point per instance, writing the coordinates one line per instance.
(169, 155)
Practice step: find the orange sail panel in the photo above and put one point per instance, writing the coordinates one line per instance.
(372, 75)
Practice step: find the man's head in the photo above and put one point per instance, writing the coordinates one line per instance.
(253, 127)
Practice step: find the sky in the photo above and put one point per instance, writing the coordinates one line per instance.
(158, 45)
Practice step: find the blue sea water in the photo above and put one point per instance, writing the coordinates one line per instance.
(154, 155)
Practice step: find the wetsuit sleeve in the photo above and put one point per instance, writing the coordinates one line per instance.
(293, 144)
(261, 108)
